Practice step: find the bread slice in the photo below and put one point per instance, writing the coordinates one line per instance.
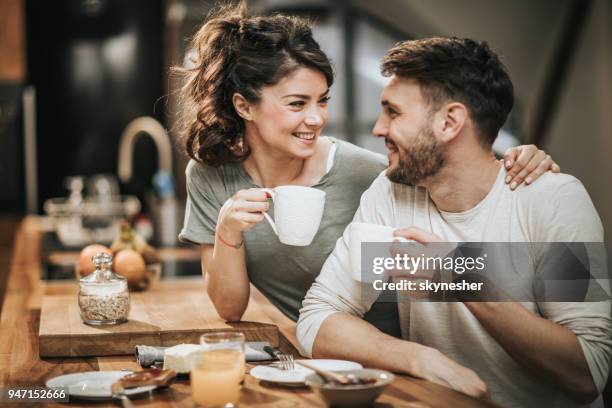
(149, 376)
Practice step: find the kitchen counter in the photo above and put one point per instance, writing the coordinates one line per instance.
(20, 364)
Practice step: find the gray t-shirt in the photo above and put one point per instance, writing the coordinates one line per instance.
(284, 273)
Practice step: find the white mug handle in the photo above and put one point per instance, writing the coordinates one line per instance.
(268, 218)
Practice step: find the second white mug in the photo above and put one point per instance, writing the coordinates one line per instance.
(360, 232)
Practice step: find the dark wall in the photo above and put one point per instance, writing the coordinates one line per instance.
(11, 149)
(96, 65)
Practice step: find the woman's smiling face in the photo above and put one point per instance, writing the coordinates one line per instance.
(291, 114)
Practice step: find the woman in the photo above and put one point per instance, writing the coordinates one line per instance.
(256, 104)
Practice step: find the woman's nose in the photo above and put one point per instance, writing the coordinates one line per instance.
(315, 118)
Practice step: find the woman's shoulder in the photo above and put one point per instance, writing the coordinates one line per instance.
(215, 180)
(354, 158)
(197, 171)
(355, 166)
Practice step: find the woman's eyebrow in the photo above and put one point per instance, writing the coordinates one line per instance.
(307, 97)
(297, 96)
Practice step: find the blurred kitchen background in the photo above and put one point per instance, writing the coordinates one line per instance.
(87, 105)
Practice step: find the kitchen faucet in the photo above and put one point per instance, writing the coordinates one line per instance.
(156, 131)
(164, 207)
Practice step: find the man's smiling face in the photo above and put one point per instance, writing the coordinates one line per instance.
(406, 124)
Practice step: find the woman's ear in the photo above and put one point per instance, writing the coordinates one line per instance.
(453, 118)
(242, 106)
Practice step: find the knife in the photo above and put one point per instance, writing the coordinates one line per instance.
(272, 352)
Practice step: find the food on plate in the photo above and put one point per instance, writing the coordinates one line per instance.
(149, 376)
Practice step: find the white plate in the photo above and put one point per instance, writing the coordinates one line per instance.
(299, 374)
(93, 384)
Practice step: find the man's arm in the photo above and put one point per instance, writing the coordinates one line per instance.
(330, 326)
(550, 350)
(348, 337)
(566, 342)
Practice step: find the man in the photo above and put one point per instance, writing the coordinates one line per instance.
(445, 102)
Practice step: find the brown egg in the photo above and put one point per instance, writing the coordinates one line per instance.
(86, 265)
(130, 264)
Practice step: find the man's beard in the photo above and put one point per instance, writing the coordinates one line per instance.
(424, 159)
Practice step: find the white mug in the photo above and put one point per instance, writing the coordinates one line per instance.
(297, 213)
(359, 232)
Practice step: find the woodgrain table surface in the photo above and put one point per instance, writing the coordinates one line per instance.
(20, 364)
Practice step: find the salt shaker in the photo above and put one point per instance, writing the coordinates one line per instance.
(103, 296)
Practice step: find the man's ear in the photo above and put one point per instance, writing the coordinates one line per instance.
(453, 118)
(242, 107)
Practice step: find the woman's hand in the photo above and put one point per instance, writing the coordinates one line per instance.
(527, 163)
(242, 212)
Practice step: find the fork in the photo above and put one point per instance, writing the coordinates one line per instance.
(289, 363)
(285, 360)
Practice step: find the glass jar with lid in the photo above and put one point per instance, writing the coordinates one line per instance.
(103, 296)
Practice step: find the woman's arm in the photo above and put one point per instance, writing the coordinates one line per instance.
(224, 262)
(228, 283)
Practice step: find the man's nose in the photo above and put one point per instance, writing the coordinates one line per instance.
(380, 128)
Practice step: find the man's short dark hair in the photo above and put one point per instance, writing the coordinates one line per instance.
(457, 69)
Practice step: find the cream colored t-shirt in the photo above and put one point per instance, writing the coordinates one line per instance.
(556, 208)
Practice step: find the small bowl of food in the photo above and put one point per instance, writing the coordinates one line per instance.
(366, 387)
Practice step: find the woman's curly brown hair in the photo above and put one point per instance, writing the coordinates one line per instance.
(238, 54)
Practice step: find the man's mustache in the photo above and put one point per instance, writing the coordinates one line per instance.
(390, 144)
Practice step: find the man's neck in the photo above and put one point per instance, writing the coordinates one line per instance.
(464, 181)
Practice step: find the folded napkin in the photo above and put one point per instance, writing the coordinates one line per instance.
(150, 355)
(254, 351)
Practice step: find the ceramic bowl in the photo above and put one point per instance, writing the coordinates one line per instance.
(351, 395)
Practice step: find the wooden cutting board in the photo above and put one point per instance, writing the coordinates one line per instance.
(172, 312)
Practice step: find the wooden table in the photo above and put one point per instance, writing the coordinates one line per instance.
(20, 364)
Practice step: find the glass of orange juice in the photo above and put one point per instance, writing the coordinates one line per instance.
(218, 370)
